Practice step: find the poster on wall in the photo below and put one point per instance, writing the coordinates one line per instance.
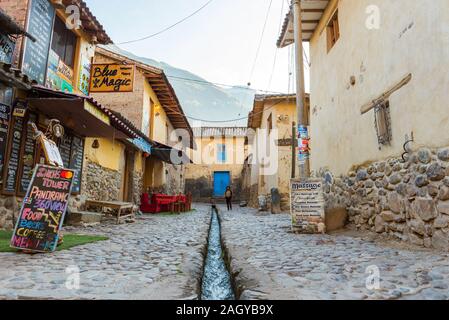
(43, 210)
(112, 78)
(59, 75)
(40, 25)
(6, 48)
(307, 202)
(84, 76)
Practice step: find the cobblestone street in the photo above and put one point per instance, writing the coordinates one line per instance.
(158, 257)
(161, 257)
(269, 262)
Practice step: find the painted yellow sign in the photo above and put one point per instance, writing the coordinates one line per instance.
(112, 78)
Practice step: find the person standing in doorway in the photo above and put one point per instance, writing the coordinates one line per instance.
(228, 196)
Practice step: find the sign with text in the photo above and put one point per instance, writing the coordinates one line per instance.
(112, 78)
(40, 24)
(6, 48)
(307, 201)
(43, 210)
(51, 151)
(5, 117)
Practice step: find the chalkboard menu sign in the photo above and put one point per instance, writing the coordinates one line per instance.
(5, 116)
(28, 155)
(40, 25)
(43, 210)
(12, 168)
(76, 162)
(65, 147)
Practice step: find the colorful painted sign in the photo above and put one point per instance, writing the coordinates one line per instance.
(84, 75)
(306, 202)
(303, 144)
(59, 75)
(43, 210)
(112, 78)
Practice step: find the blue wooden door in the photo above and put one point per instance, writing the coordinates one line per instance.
(222, 180)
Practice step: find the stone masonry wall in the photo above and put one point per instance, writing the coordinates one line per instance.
(138, 187)
(101, 183)
(409, 201)
(8, 207)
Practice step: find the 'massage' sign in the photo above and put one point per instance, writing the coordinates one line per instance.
(112, 78)
(43, 210)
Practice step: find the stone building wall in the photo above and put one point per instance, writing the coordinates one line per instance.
(137, 186)
(409, 201)
(101, 183)
(9, 208)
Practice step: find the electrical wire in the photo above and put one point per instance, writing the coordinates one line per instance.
(169, 27)
(260, 43)
(219, 121)
(220, 84)
(277, 49)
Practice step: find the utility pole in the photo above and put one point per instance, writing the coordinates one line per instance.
(304, 165)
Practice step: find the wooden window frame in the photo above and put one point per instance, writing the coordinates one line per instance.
(333, 31)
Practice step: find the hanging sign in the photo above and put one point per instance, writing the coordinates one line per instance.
(112, 78)
(307, 204)
(43, 210)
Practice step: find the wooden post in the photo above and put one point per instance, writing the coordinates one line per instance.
(304, 167)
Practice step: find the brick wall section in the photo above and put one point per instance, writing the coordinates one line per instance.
(129, 104)
(16, 9)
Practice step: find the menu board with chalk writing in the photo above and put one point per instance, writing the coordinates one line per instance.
(43, 210)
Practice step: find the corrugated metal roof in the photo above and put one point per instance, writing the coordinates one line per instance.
(312, 12)
(220, 131)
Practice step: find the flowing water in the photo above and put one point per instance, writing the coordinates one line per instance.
(216, 278)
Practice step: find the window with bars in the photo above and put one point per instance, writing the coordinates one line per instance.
(383, 122)
(221, 153)
(333, 31)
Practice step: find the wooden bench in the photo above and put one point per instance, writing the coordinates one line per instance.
(121, 207)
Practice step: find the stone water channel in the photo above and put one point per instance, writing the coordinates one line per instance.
(216, 282)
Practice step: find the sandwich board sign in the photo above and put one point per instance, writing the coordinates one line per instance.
(307, 205)
(43, 209)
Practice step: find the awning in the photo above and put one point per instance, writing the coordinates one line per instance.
(311, 13)
(79, 115)
(141, 144)
(165, 152)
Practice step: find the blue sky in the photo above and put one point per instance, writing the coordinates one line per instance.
(218, 44)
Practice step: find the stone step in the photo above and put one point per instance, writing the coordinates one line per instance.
(78, 217)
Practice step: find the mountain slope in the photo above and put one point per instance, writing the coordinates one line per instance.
(202, 100)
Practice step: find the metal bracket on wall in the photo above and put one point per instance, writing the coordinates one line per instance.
(407, 149)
